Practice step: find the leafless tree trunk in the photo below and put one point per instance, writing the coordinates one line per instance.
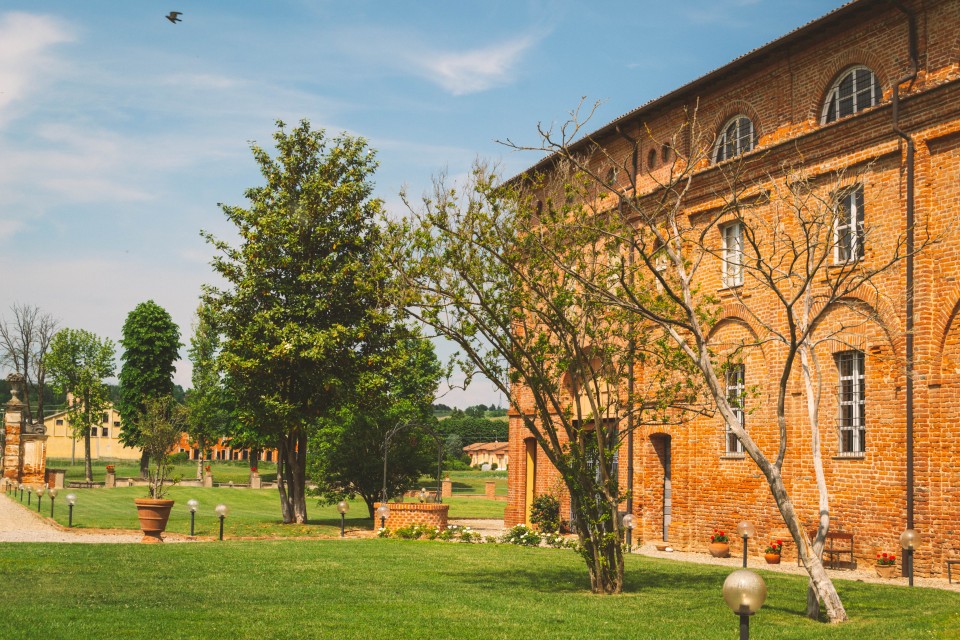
(24, 343)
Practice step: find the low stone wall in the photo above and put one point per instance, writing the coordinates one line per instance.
(404, 514)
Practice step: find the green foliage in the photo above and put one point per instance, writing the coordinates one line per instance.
(161, 423)
(545, 513)
(77, 364)
(522, 535)
(473, 429)
(302, 293)
(210, 408)
(151, 343)
(396, 387)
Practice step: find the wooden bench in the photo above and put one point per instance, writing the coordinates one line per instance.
(837, 545)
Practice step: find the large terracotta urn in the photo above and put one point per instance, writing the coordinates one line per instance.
(153, 516)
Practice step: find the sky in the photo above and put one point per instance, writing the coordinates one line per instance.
(121, 131)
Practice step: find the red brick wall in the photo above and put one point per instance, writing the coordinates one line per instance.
(783, 93)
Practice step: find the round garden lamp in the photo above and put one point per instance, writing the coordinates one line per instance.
(629, 522)
(222, 511)
(746, 530)
(383, 511)
(21, 492)
(342, 507)
(909, 540)
(193, 505)
(53, 497)
(422, 495)
(744, 592)
(39, 496)
(29, 494)
(71, 500)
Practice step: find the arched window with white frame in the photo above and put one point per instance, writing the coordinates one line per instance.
(736, 137)
(857, 89)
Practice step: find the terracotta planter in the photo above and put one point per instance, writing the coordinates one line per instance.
(887, 570)
(153, 516)
(720, 549)
(772, 558)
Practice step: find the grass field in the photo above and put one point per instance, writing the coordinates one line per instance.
(360, 589)
(252, 512)
(237, 471)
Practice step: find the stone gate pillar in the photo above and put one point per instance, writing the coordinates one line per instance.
(13, 426)
(25, 451)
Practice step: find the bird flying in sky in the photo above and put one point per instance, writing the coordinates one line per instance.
(174, 17)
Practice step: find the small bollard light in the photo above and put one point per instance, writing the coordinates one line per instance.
(384, 512)
(744, 592)
(629, 522)
(422, 495)
(746, 531)
(193, 505)
(343, 506)
(71, 500)
(909, 540)
(21, 492)
(39, 496)
(29, 494)
(222, 511)
(53, 497)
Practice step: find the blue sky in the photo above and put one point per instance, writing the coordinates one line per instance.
(120, 131)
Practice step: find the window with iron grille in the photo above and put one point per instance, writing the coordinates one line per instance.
(736, 137)
(848, 230)
(856, 90)
(735, 395)
(850, 398)
(732, 254)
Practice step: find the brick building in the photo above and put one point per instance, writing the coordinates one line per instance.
(823, 93)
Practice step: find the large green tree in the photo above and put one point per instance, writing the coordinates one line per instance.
(77, 363)
(393, 396)
(301, 293)
(151, 343)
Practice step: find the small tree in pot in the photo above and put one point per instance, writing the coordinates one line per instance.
(162, 423)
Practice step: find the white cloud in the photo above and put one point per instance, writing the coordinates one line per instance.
(24, 41)
(476, 70)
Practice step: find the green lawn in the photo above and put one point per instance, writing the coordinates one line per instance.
(411, 589)
(253, 513)
(237, 471)
(470, 482)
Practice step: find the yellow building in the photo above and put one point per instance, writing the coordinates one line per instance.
(492, 453)
(104, 438)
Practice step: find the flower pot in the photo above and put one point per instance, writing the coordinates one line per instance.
(153, 516)
(720, 549)
(772, 558)
(887, 570)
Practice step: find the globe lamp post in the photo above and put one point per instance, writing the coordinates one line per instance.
(222, 511)
(744, 592)
(629, 522)
(71, 500)
(383, 511)
(908, 542)
(193, 505)
(342, 507)
(746, 531)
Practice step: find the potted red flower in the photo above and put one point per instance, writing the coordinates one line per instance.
(886, 565)
(719, 544)
(773, 551)
(111, 468)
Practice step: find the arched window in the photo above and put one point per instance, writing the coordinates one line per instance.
(856, 90)
(736, 137)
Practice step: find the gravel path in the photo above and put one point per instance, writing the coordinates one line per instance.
(20, 524)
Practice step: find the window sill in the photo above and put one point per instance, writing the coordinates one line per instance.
(735, 291)
(848, 456)
(733, 456)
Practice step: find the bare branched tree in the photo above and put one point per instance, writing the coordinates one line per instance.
(24, 342)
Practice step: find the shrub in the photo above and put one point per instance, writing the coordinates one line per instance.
(545, 513)
(555, 540)
(491, 540)
(523, 535)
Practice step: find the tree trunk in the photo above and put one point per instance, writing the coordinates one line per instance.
(293, 498)
(144, 465)
(87, 463)
(601, 545)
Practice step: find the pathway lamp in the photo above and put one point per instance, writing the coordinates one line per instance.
(222, 511)
(383, 511)
(193, 505)
(422, 495)
(629, 522)
(39, 496)
(909, 540)
(744, 592)
(29, 494)
(21, 492)
(53, 497)
(343, 506)
(746, 531)
(71, 500)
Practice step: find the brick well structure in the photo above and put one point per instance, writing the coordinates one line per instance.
(791, 91)
(404, 514)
